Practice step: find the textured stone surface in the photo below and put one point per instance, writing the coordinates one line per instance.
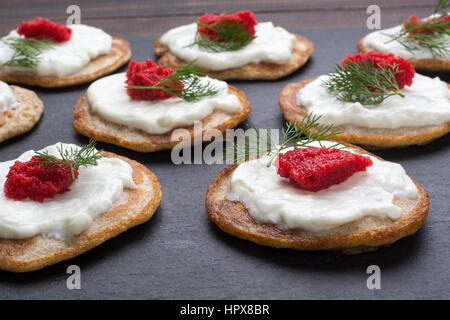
(179, 253)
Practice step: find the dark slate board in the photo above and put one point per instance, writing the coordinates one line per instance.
(180, 254)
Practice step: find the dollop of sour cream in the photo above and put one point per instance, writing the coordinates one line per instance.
(270, 198)
(271, 44)
(7, 97)
(93, 193)
(381, 41)
(63, 59)
(108, 98)
(425, 103)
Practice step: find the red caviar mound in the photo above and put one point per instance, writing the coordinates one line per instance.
(41, 29)
(245, 18)
(315, 169)
(380, 60)
(32, 180)
(412, 25)
(148, 74)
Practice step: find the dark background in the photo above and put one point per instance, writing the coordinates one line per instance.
(152, 17)
(179, 253)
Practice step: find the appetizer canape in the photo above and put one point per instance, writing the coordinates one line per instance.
(141, 109)
(65, 200)
(20, 110)
(375, 99)
(234, 46)
(44, 53)
(424, 42)
(315, 194)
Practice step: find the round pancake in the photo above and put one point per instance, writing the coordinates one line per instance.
(120, 53)
(251, 71)
(136, 207)
(14, 122)
(426, 65)
(363, 235)
(370, 137)
(97, 128)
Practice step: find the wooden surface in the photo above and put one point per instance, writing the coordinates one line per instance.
(152, 17)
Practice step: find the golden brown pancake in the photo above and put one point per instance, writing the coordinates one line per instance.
(21, 119)
(120, 53)
(252, 71)
(370, 137)
(363, 235)
(95, 127)
(426, 65)
(136, 207)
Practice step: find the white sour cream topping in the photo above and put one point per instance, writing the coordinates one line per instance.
(271, 44)
(93, 193)
(65, 58)
(270, 198)
(7, 97)
(108, 98)
(377, 41)
(426, 102)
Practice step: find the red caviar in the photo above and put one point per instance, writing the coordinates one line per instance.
(414, 23)
(41, 29)
(315, 169)
(148, 74)
(32, 180)
(380, 60)
(245, 18)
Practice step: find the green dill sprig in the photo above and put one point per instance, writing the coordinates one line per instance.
(296, 134)
(27, 51)
(363, 82)
(72, 158)
(229, 36)
(184, 83)
(434, 43)
(432, 35)
(442, 7)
